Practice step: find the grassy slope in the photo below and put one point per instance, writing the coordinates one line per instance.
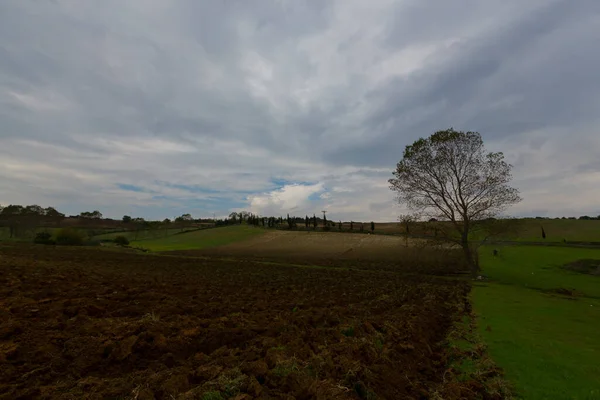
(547, 344)
(559, 229)
(538, 267)
(141, 235)
(200, 239)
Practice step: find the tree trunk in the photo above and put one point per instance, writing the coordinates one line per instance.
(471, 257)
(470, 253)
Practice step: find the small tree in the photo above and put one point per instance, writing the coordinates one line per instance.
(69, 237)
(121, 241)
(184, 221)
(306, 222)
(126, 219)
(43, 238)
(407, 220)
(372, 227)
(315, 222)
(450, 176)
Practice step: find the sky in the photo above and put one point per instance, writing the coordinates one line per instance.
(156, 108)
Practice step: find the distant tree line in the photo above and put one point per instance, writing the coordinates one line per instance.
(292, 222)
(583, 217)
(20, 219)
(25, 220)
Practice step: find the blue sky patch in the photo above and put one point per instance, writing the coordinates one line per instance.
(315, 196)
(281, 182)
(131, 188)
(189, 188)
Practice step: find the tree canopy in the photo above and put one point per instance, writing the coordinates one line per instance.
(91, 214)
(450, 176)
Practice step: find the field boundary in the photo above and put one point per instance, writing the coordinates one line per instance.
(470, 369)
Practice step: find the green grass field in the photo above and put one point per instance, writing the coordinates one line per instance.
(538, 267)
(559, 229)
(200, 239)
(548, 344)
(140, 235)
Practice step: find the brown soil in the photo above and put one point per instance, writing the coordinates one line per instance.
(586, 266)
(355, 251)
(81, 323)
(565, 292)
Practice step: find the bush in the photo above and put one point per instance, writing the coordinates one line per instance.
(43, 238)
(69, 237)
(121, 241)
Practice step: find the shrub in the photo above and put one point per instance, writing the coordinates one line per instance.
(69, 237)
(121, 241)
(43, 238)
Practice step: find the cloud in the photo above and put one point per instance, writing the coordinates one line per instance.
(291, 198)
(156, 108)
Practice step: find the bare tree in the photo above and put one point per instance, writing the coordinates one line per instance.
(450, 176)
(407, 220)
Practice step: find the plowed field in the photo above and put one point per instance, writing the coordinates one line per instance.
(81, 323)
